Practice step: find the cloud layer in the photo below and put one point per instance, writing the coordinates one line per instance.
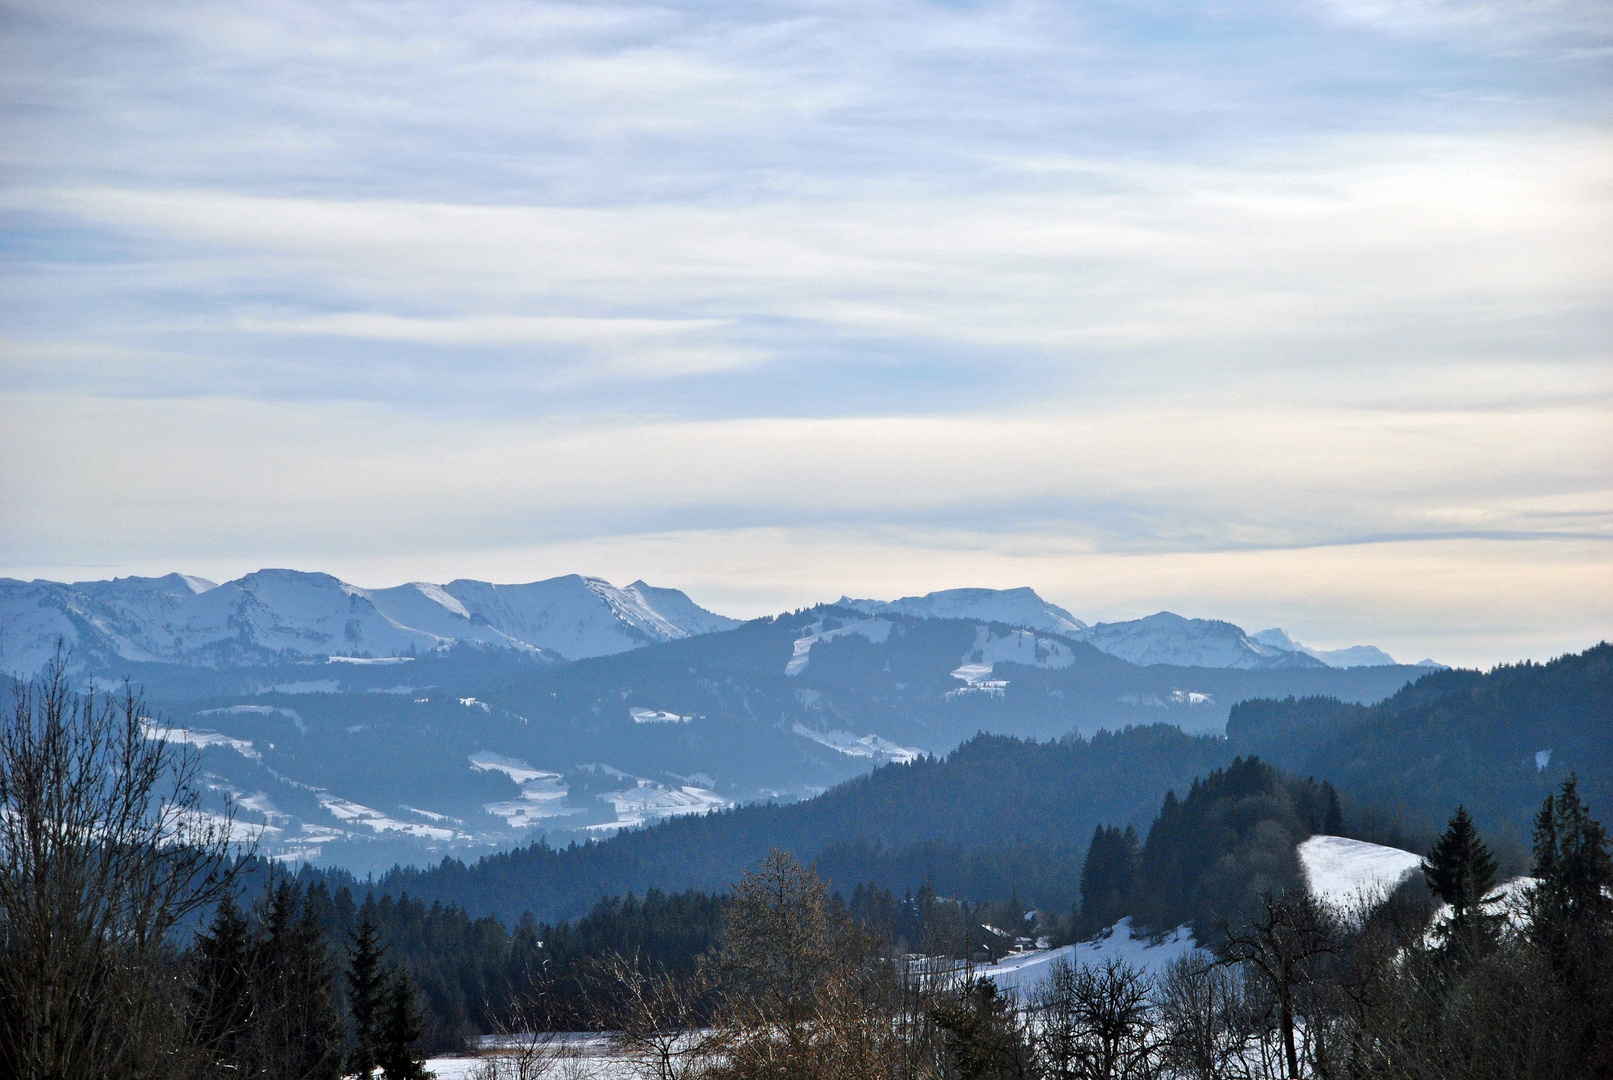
(1198, 306)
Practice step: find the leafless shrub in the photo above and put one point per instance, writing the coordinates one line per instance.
(106, 851)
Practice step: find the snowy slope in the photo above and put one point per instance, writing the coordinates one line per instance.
(1354, 656)
(1025, 973)
(428, 607)
(575, 616)
(1349, 873)
(1016, 607)
(1163, 638)
(280, 614)
(676, 608)
(1167, 638)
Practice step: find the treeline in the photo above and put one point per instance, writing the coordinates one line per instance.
(466, 974)
(1013, 812)
(1499, 741)
(797, 989)
(1210, 855)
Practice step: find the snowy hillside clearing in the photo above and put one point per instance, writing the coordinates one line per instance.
(1352, 874)
(650, 802)
(864, 746)
(657, 716)
(875, 630)
(1024, 973)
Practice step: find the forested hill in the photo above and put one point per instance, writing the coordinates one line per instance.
(1002, 815)
(997, 815)
(1498, 741)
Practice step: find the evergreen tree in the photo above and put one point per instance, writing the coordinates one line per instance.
(366, 985)
(222, 993)
(1107, 876)
(1460, 870)
(400, 1031)
(1333, 822)
(295, 1030)
(1571, 858)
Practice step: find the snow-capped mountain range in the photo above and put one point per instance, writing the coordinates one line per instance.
(286, 614)
(1164, 638)
(277, 615)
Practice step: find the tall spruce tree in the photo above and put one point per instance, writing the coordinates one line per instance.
(1107, 876)
(1461, 871)
(367, 995)
(1571, 858)
(221, 996)
(295, 1030)
(400, 1031)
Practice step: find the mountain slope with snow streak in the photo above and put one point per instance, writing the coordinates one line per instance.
(1168, 638)
(1015, 607)
(1162, 638)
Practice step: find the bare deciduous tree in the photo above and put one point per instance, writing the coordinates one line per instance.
(105, 851)
(1284, 942)
(659, 1020)
(1201, 1020)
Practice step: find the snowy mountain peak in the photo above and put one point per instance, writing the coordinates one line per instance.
(1354, 656)
(1015, 607)
(1168, 638)
(1161, 638)
(285, 614)
(679, 610)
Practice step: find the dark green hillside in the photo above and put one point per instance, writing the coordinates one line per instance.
(1452, 737)
(1031, 803)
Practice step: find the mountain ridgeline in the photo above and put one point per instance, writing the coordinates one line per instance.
(473, 749)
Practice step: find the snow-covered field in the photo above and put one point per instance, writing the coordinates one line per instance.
(1349, 874)
(867, 746)
(1024, 973)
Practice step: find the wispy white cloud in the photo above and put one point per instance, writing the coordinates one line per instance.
(1095, 291)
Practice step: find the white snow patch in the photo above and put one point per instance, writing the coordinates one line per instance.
(1348, 874)
(1024, 973)
(200, 739)
(359, 814)
(976, 679)
(513, 767)
(864, 746)
(369, 659)
(650, 802)
(1019, 647)
(875, 630)
(653, 716)
(541, 792)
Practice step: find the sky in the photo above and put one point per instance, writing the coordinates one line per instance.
(1290, 313)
